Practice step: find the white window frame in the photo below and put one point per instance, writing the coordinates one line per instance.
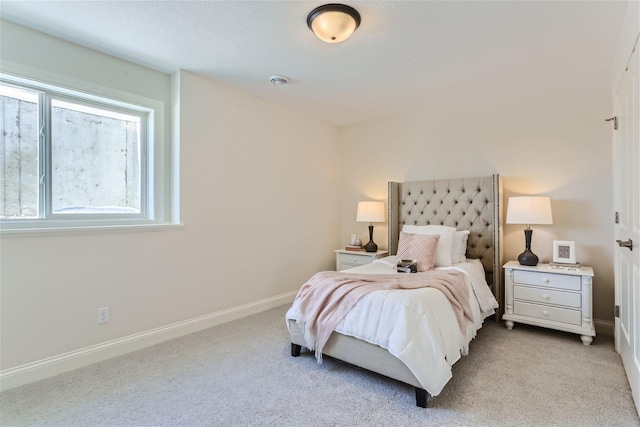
(150, 206)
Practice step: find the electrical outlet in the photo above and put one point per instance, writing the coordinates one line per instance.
(103, 315)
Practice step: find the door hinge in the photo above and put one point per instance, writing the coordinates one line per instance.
(615, 121)
(617, 311)
(616, 218)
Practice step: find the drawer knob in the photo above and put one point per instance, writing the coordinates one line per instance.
(545, 296)
(545, 280)
(545, 312)
(355, 260)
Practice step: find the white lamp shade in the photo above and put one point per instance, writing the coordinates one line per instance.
(529, 210)
(370, 212)
(333, 26)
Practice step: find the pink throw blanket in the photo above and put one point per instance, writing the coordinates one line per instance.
(329, 295)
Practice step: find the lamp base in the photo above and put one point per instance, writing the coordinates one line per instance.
(371, 247)
(528, 258)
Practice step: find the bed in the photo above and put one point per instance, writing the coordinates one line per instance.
(473, 204)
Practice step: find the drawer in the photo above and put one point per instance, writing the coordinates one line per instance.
(345, 266)
(563, 315)
(356, 260)
(548, 280)
(547, 296)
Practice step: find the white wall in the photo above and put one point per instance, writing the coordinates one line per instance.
(260, 192)
(558, 147)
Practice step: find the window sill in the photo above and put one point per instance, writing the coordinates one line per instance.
(90, 229)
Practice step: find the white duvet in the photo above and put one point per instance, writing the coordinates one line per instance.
(417, 326)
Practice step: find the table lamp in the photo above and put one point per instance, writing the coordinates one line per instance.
(370, 212)
(529, 210)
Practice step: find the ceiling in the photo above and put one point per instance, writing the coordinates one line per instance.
(403, 53)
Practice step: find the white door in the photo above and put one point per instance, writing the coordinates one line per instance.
(627, 228)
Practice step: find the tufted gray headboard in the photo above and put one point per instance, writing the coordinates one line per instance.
(473, 204)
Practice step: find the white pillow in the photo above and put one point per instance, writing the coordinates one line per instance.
(445, 244)
(459, 247)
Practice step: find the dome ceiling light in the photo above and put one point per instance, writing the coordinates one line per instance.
(333, 23)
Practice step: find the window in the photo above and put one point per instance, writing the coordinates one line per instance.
(72, 159)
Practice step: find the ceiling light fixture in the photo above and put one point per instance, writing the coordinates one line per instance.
(333, 23)
(279, 80)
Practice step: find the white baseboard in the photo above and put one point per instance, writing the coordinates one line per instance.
(45, 368)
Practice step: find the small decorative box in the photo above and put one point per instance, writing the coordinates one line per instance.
(407, 266)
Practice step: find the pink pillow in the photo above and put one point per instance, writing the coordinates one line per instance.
(420, 248)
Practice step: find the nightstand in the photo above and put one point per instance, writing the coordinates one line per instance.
(349, 259)
(552, 298)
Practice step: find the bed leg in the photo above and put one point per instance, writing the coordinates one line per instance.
(421, 397)
(295, 350)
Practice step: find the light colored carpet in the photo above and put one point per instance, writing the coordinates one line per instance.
(241, 373)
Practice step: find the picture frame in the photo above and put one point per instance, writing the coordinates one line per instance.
(564, 252)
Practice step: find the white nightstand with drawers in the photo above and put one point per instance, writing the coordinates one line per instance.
(548, 297)
(349, 259)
